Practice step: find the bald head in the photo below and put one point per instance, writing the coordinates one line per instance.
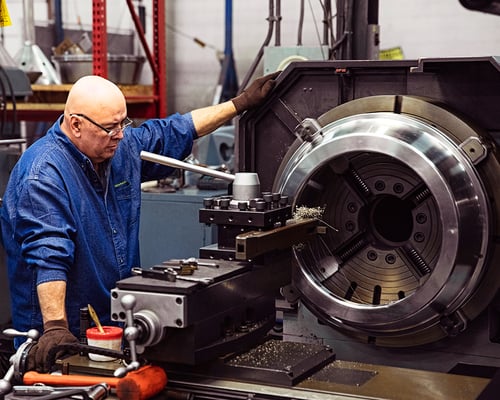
(92, 94)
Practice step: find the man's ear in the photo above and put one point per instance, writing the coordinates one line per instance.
(75, 125)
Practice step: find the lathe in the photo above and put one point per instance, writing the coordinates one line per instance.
(357, 251)
(398, 270)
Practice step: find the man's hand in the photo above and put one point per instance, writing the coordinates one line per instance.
(255, 94)
(55, 333)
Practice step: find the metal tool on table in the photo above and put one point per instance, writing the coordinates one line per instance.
(170, 275)
(191, 261)
(186, 264)
(203, 281)
(180, 269)
(42, 392)
(41, 389)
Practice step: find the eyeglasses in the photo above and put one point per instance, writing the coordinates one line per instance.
(111, 132)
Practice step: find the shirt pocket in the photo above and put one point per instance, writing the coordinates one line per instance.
(123, 190)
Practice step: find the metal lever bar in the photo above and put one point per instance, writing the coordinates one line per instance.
(42, 390)
(172, 162)
(131, 335)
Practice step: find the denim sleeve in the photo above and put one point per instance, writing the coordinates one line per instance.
(45, 228)
(172, 137)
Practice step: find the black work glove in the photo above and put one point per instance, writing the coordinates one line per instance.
(55, 333)
(255, 94)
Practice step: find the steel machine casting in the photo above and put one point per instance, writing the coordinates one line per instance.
(403, 159)
(396, 267)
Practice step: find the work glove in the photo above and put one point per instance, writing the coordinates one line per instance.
(55, 333)
(255, 94)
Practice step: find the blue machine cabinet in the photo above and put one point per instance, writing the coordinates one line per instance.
(170, 227)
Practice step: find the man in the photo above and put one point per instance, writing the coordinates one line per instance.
(70, 215)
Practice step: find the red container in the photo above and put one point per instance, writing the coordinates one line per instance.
(111, 338)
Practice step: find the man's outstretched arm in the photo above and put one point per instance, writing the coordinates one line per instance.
(207, 119)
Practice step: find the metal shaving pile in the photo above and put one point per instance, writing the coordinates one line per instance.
(303, 212)
(275, 355)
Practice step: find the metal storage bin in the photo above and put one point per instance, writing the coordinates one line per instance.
(122, 68)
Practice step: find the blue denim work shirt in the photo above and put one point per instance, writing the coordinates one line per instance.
(59, 222)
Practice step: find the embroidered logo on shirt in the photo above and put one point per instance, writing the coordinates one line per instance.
(121, 184)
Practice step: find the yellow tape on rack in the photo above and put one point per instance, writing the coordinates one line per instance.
(4, 14)
(395, 53)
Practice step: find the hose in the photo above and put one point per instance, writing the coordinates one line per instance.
(301, 23)
(271, 20)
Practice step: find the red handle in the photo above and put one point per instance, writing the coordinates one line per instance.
(32, 377)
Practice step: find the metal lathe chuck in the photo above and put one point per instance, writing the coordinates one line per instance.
(410, 261)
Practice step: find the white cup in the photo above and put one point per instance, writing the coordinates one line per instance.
(110, 339)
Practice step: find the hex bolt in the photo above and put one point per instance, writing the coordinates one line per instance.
(208, 202)
(352, 207)
(419, 237)
(276, 199)
(268, 198)
(372, 256)
(379, 185)
(390, 258)
(260, 206)
(421, 218)
(398, 188)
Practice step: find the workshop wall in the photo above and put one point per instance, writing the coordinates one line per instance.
(422, 28)
(444, 28)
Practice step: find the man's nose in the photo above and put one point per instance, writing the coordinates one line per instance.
(119, 135)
